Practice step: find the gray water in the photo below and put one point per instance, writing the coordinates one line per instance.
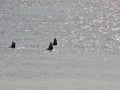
(88, 34)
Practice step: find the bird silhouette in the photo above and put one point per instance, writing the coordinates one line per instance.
(55, 41)
(50, 48)
(13, 45)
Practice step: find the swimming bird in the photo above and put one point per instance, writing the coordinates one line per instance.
(13, 45)
(55, 41)
(50, 48)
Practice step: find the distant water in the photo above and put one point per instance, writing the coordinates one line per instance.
(81, 25)
(88, 34)
(87, 56)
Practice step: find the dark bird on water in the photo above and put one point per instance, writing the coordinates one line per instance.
(50, 48)
(55, 41)
(13, 45)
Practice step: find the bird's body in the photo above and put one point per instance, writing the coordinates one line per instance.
(13, 45)
(50, 48)
(55, 41)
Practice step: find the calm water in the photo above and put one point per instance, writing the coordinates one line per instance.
(88, 33)
(81, 25)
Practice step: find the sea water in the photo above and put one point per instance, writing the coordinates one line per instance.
(87, 56)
